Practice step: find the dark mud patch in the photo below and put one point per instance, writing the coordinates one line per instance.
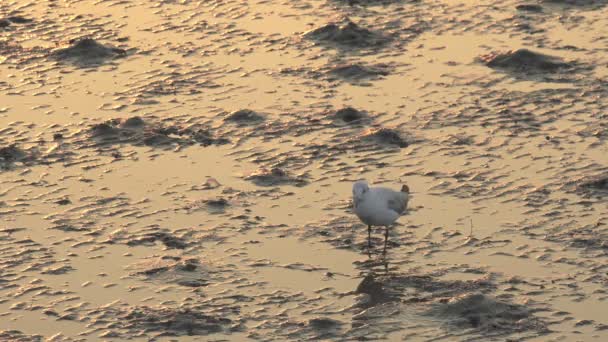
(487, 315)
(593, 186)
(18, 336)
(524, 60)
(347, 34)
(576, 3)
(139, 132)
(590, 238)
(428, 288)
(374, 290)
(374, 2)
(321, 323)
(319, 328)
(534, 8)
(13, 154)
(357, 72)
(276, 176)
(8, 21)
(170, 239)
(134, 321)
(87, 51)
(434, 287)
(462, 304)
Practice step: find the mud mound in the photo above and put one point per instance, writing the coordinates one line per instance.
(323, 323)
(487, 314)
(186, 272)
(88, 50)
(346, 33)
(133, 122)
(319, 328)
(529, 8)
(244, 116)
(276, 176)
(349, 115)
(170, 241)
(385, 136)
(358, 71)
(524, 60)
(216, 205)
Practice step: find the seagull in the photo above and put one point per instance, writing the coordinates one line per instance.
(378, 206)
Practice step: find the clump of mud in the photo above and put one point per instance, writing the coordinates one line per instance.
(276, 176)
(188, 272)
(323, 323)
(320, 328)
(12, 154)
(524, 60)
(213, 205)
(88, 50)
(487, 314)
(386, 136)
(346, 33)
(349, 115)
(244, 116)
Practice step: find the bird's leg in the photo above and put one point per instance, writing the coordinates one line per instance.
(385, 238)
(369, 237)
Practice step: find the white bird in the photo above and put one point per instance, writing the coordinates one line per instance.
(378, 206)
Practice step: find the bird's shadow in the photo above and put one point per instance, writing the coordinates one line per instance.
(378, 263)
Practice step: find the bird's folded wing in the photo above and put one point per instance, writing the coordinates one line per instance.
(397, 204)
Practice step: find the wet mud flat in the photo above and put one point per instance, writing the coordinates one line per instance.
(183, 170)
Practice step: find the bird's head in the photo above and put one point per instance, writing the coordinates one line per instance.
(359, 188)
(405, 189)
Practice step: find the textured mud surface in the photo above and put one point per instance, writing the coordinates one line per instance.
(183, 170)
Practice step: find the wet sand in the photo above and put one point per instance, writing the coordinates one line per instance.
(183, 170)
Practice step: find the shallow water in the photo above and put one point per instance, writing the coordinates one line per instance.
(190, 176)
